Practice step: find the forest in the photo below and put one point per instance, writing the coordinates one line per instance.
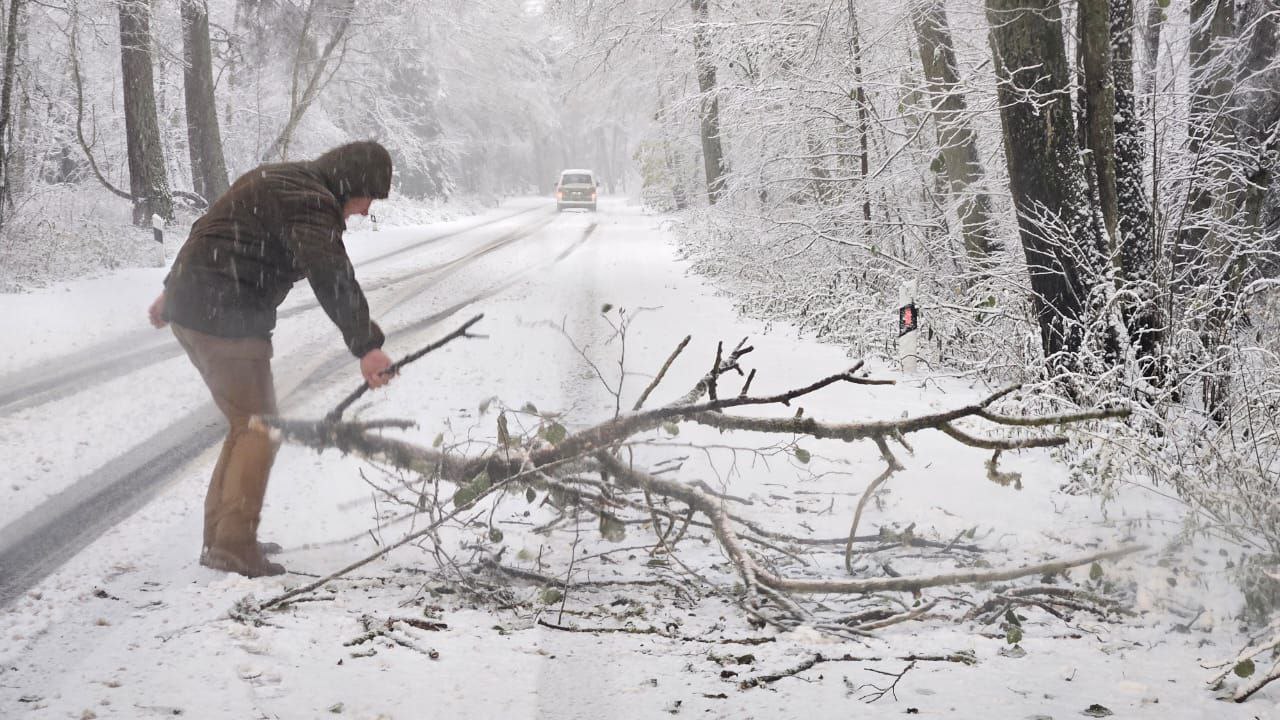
(1081, 197)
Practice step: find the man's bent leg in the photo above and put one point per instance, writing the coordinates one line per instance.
(192, 343)
(238, 374)
(213, 498)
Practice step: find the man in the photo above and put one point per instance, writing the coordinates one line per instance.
(276, 225)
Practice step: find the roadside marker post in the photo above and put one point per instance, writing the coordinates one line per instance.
(157, 228)
(908, 327)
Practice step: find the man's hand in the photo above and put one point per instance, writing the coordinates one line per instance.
(156, 313)
(376, 366)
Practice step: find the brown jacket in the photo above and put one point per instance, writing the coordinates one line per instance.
(276, 225)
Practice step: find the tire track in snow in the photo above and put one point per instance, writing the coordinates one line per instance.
(82, 370)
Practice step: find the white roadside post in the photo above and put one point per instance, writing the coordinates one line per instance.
(908, 326)
(157, 227)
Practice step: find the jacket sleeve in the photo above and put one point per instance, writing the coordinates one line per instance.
(314, 236)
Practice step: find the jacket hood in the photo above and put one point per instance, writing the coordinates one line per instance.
(358, 169)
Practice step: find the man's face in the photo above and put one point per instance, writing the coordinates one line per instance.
(356, 206)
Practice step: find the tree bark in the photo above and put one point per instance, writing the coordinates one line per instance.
(1151, 44)
(148, 182)
(956, 139)
(204, 140)
(860, 102)
(1136, 232)
(712, 152)
(1212, 22)
(1099, 106)
(1258, 118)
(6, 102)
(1046, 178)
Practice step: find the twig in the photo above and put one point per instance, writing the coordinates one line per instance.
(892, 466)
(336, 413)
(399, 543)
(818, 658)
(659, 633)
(661, 373)
(893, 688)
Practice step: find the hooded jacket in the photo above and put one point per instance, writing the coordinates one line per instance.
(277, 224)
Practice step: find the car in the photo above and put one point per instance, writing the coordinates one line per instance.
(577, 188)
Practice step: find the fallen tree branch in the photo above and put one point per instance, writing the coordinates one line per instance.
(819, 658)
(399, 543)
(753, 574)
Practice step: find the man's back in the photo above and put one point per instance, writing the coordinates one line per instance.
(277, 224)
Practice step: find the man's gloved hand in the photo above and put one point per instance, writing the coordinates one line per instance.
(374, 367)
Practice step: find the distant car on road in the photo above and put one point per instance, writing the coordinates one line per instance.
(577, 188)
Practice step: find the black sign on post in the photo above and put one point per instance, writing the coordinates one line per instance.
(157, 227)
(908, 319)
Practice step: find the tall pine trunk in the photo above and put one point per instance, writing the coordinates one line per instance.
(956, 138)
(1046, 178)
(147, 179)
(204, 141)
(712, 151)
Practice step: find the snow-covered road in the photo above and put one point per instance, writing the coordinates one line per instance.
(132, 626)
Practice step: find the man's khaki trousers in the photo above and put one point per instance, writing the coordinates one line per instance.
(238, 374)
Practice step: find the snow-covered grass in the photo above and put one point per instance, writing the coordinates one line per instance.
(57, 233)
(133, 627)
(63, 232)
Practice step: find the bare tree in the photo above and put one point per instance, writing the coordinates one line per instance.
(1045, 175)
(204, 141)
(712, 152)
(6, 100)
(859, 97)
(1212, 24)
(1136, 241)
(1099, 105)
(311, 70)
(148, 182)
(956, 140)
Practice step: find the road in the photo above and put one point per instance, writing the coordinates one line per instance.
(421, 283)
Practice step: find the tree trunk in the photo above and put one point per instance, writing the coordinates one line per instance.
(1258, 118)
(1151, 43)
(1199, 265)
(1099, 106)
(860, 102)
(204, 141)
(1046, 178)
(956, 138)
(6, 102)
(147, 180)
(1136, 231)
(1212, 22)
(712, 152)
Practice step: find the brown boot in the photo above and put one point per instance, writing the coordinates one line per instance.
(255, 565)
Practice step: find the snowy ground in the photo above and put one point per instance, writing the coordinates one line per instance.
(134, 627)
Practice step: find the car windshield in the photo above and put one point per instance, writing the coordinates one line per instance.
(576, 179)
